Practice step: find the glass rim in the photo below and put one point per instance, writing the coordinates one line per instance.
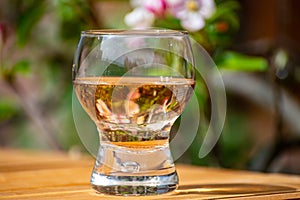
(134, 32)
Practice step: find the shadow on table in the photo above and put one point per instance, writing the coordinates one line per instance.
(243, 189)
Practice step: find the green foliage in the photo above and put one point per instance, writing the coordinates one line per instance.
(240, 62)
(21, 67)
(222, 26)
(8, 108)
(235, 142)
(168, 22)
(74, 16)
(31, 14)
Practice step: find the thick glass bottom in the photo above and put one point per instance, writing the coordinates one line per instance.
(134, 168)
(134, 185)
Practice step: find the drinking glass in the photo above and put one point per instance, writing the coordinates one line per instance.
(134, 84)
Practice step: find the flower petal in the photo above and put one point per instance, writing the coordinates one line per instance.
(158, 7)
(207, 8)
(193, 22)
(139, 18)
(174, 2)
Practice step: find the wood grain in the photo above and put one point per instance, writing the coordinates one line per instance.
(54, 175)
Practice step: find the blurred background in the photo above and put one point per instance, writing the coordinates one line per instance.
(255, 44)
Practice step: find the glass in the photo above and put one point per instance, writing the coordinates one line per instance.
(134, 84)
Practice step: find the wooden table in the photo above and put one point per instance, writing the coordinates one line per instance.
(48, 175)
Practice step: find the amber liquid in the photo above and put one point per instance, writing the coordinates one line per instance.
(134, 112)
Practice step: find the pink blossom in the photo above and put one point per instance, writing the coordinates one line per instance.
(157, 7)
(144, 12)
(192, 13)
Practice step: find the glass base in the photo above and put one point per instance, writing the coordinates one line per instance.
(141, 168)
(134, 185)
